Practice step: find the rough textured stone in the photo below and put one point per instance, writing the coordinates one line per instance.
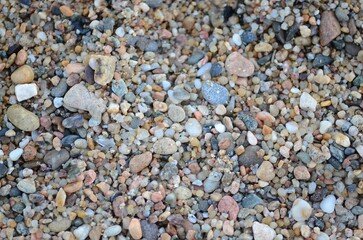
(238, 65)
(329, 28)
(104, 67)
(139, 162)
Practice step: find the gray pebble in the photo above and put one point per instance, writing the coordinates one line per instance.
(169, 170)
(68, 140)
(154, 3)
(150, 230)
(212, 182)
(250, 157)
(119, 88)
(249, 121)
(215, 93)
(251, 200)
(73, 121)
(196, 56)
(216, 69)
(60, 89)
(341, 14)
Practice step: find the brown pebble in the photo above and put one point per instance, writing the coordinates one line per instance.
(73, 187)
(30, 152)
(228, 205)
(139, 162)
(135, 228)
(66, 11)
(89, 177)
(21, 57)
(329, 28)
(238, 65)
(188, 23)
(24, 74)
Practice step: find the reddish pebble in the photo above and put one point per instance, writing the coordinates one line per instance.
(73, 187)
(228, 205)
(117, 206)
(30, 152)
(156, 197)
(139, 162)
(21, 57)
(89, 177)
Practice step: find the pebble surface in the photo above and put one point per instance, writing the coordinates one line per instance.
(181, 120)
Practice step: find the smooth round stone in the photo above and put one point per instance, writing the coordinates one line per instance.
(216, 70)
(22, 118)
(328, 204)
(266, 171)
(307, 102)
(301, 210)
(292, 127)
(248, 37)
(139, 162)
(60, 225)
(27, 185)
(212, 182)
(214, 93)
(183, 193)
(165, 146)
(193, 127)
(204, 69)
(56, 158)
(238, 65)
(113, 231)
(24, 74)
(16, 154)
(324, 126)
(176, 113)
(220, 127)
(81, 233)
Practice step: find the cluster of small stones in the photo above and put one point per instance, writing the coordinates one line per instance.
(152, 119)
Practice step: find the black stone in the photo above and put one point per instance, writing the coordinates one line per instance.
(227, 13)
(264, 59)
(3, 170)
(216, 70)
(338, 44)
(89, 74)
(78, 22)
(56, 11)
(335, 163)
(352, 49)
(321, 60)
(36, 198)
(291, 31)
(60, 89)
(68, 140)
(13, 49)
(319, 195)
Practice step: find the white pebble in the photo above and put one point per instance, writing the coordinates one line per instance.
(323, 236)
(307, 102)
(220, 127)
(312, 187)
(16, 154)
(193, 127)
(328, 204)
(81, 233)
(120, 32)
(359, 150)
(58, 102)
(25, 91)
(324, 126)
(42, 36)
(197, 83)
(251, 138)
(301, 210)
(236, 38)
(292, 127)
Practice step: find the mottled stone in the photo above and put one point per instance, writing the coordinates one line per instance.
(22, 118)
(329, 28)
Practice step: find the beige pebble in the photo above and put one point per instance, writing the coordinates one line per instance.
(60, 199)
(66, 11)
(266, 171)
(24, 74)
(21, 57)
(73, 187)
(139, 162)
(322, 79)
(228, 227)
(74, 68)
(263, 47)
(301, 173)
(238, 65)
(341, 139)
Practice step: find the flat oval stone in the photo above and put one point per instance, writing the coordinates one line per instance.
(56, 158)
(139, 162)
(238, 65)
(215, 93)
(22, 118)
(165, 146)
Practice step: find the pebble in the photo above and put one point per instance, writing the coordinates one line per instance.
(215, 93)
(193, 127)
(301, 173)
(139, 162)
(266, 171)
(56, 158)
(135, 228)
(263, 232)
(27, 185)
(328, 204)
(248, 37)
(112, 231)
(183, 193)
(307, 102)
(66, 11)
(82, 232)
(352, 49)
(60, 198)
(251, 156)
(73, 187)
(301, 210)
(238, 65)
(15, 154)
(78, 97)
(321, 60)
(216, 69)
(263, 47)
(212, 182)
(23, 74)
(251, 200)
(21, 57)
(341, 139)
(251, 138)
(329, 28)
(3, 170)
(341, 14)
(228, 228)
(150, 231)
(25, 91)
(104, 67)
(292, 127)
(165, 146)
(228, 205)
(236, 38)
(119, 88)
(325, 126)
(74, 121)
(195, 57)
(249, 121)
(169, 170)
(176, 113)
(204, 69)
(60, 225)
(22, 118)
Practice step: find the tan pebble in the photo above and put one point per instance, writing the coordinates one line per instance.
(104, 67)
(188, 23)
(95, 233)
(21, 57)
(160, 106)
(165, 236)
(24, 74)
(266, 130)
(322, 79)
(139, 162)
(66, 11)
(60, 199)
(266, 171)
(263, 47)
(135, 228)
(73, 187)
(22, 118)
(104, 187)
(301, 173)
(329, 28)
(74, 68)
(228, 228)
(238, 65)
(90, 194)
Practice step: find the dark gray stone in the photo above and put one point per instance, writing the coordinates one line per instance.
(251, 200)
(154, 3)
(169, 170)
(357, 210)
(321, 60)
(358, 81)
(337, 152)
(74, 121)
(56, 158)
(196, 56)
(291, 31)
(119, 88)
(216, 70)
(60, 89)
(248, 37)
(250, 157)
(68, 140)
(150, 231)
(352, 49)
(3, 170)
(249, 121)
